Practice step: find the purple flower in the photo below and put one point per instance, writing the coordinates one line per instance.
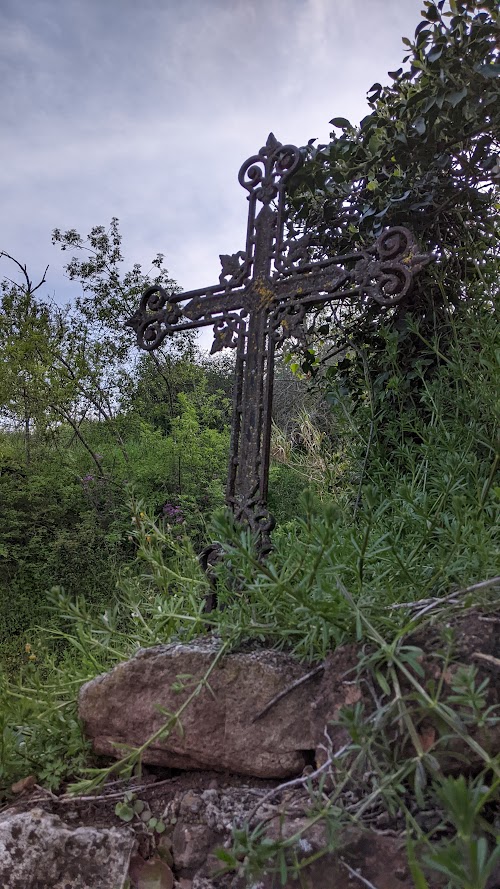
(172, 513)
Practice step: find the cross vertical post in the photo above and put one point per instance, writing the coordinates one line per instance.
(263, 296)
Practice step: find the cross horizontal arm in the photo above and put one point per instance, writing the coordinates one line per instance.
(160, 314)
(315, 287)
(383, 273)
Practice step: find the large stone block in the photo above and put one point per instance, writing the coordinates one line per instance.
(223, 727)
(127, 705)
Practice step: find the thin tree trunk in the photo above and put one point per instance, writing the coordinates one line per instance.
(79, 436)
(27, 430)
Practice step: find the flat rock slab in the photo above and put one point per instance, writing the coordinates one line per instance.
(127, 705)
(223, 728)
(39, 851)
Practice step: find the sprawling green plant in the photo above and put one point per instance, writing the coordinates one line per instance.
(405, 778)
(63, 519)
(425, 156)
(427, 150)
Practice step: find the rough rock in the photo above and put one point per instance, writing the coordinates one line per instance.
(39, 851)
(220, 729)
(377, 857)
(338, 687)
(200, 811)
(127, 705)
(151, 874)
(191, 844)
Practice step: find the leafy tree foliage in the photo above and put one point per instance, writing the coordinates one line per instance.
(427, 151)
(110, 296)
(83, 418)
(24, 329)
(426, 156)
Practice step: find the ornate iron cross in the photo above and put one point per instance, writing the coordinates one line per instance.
(262, 297)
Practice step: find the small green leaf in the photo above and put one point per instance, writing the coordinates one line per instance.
(435, 53)
(488, 70)
(124, 811)
(416, 871)
(283, 868)
(368, 121)
(431, 14)
(456, 96)
(382, 681)
(420, 28)
(427, 105)
(375, 142)
(226, 857)
(340, 122)
(420, 783)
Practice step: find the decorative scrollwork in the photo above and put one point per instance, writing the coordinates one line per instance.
(389, 278)
(398, 243)
(273, 164)
(156, 299)
(253, 513)
(235, 268)
(394, 242)
(287, 321)
(384, 282)
(155, 317)
(226, 332)
(294, 253)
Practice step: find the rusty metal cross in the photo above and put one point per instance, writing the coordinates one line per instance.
(263, 296)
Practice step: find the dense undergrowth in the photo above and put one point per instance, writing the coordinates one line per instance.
(391, 526)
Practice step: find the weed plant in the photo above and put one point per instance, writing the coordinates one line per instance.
(392, 765)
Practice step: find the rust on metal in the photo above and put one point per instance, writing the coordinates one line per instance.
(263, 296)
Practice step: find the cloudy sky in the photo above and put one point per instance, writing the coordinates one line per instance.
(145, 110)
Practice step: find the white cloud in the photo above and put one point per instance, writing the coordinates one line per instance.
(146, 111)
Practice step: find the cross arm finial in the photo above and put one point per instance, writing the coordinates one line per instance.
(264, 174)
